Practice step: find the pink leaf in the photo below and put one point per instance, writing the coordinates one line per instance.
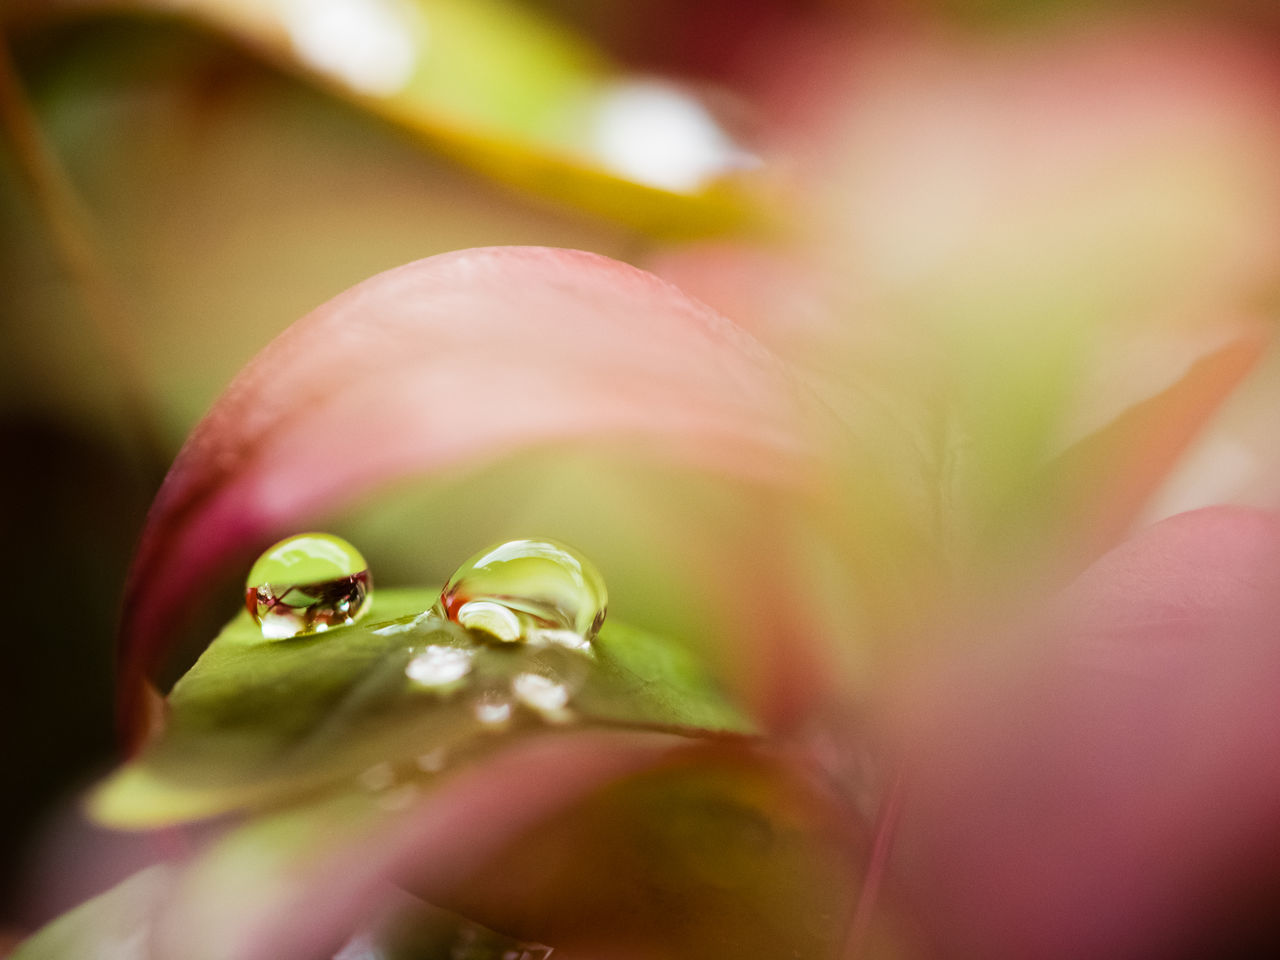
(457, 359)
(1107, 786)
(331, 890)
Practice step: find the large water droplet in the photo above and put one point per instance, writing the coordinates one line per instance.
(529, 585)
(307, 584)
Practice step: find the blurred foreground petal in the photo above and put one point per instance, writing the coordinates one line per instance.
(458, 359)
(604, 845)
(1010, 242)
(1110, 788)
(294, 886)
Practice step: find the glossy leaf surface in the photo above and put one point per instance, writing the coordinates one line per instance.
(256, 722)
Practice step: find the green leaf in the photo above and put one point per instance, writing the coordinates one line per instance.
(113, 926)
(504, 90)
(257, 722)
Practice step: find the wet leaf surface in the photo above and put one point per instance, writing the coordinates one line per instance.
(257, 722)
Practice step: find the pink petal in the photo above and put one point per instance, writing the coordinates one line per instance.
(1110, 784)
(325, 897)
(457, 359)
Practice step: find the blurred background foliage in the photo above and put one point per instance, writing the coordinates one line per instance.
(181, 179)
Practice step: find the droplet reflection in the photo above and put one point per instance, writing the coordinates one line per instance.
(306, 584)
(492, 618)
(529, 585)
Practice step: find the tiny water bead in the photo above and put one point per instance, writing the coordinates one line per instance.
(522, 586)
(540, 692)
(306, 584)
(439, 665)
(492, 708)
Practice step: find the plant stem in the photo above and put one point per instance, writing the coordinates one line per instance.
(69, 228)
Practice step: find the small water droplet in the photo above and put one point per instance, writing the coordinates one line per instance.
(307, 584)
(400, 798)
(540, 692)
(541, 584)
(439, 665)
(433, 761)
(493, 709)
(378, 777)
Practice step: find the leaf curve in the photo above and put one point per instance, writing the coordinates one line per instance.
(457, 359)
(726, 828)
(495, 86)
(257, 723)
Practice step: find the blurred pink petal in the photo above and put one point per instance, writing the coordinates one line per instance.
(1109, 785)
(1014, 243)
(441, 841)
(458, 359)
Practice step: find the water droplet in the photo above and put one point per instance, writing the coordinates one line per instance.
(378, 777)
(401, 798)
(432, 761)
(439, 665)
(540, 692)
(559, 638)
(539, 584)
(305, 584)
(493, 709)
